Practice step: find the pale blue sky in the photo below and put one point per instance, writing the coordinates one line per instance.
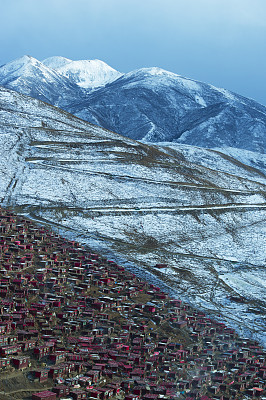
(222, 42)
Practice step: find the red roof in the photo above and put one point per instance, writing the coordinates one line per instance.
(44, 395)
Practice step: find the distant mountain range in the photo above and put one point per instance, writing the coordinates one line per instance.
(149, 104)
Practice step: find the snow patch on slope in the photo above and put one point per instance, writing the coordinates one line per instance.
(246, 283)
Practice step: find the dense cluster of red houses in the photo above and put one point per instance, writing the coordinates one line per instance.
(96, 331)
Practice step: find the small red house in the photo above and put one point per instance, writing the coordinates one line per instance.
(61, 390)
(4, 362)
(41, 374)
(20, 362)
(78, 394)
(45, 395)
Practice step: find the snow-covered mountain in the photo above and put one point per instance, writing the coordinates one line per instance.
(57, 80)
(154, 105)
(89, 74)
(141, 205)
(56, 62)
(149, 104)
(29, 76)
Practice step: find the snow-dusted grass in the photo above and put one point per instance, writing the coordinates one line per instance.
(236, 162)
(139, 204)
(247, 283)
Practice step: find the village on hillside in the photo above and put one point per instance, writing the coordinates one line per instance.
(75, 325)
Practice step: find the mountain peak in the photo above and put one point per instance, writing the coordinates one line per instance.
(89, 73)
(26, 58)
(23, 60)
(161, 76)
(156, 71)
(155, 78)
(56, 62)
(150, 71)
(30, 76)
(19, 67)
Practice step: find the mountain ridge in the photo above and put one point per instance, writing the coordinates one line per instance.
(29, 76)
(88, 74)
(149, 104)
(163, 111)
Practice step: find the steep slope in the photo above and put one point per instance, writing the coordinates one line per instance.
(154, 105)
(230, 160)
(28, 76)
(138, 204)
(88, 74)
(57, 80)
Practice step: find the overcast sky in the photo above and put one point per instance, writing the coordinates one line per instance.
(222, 42)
